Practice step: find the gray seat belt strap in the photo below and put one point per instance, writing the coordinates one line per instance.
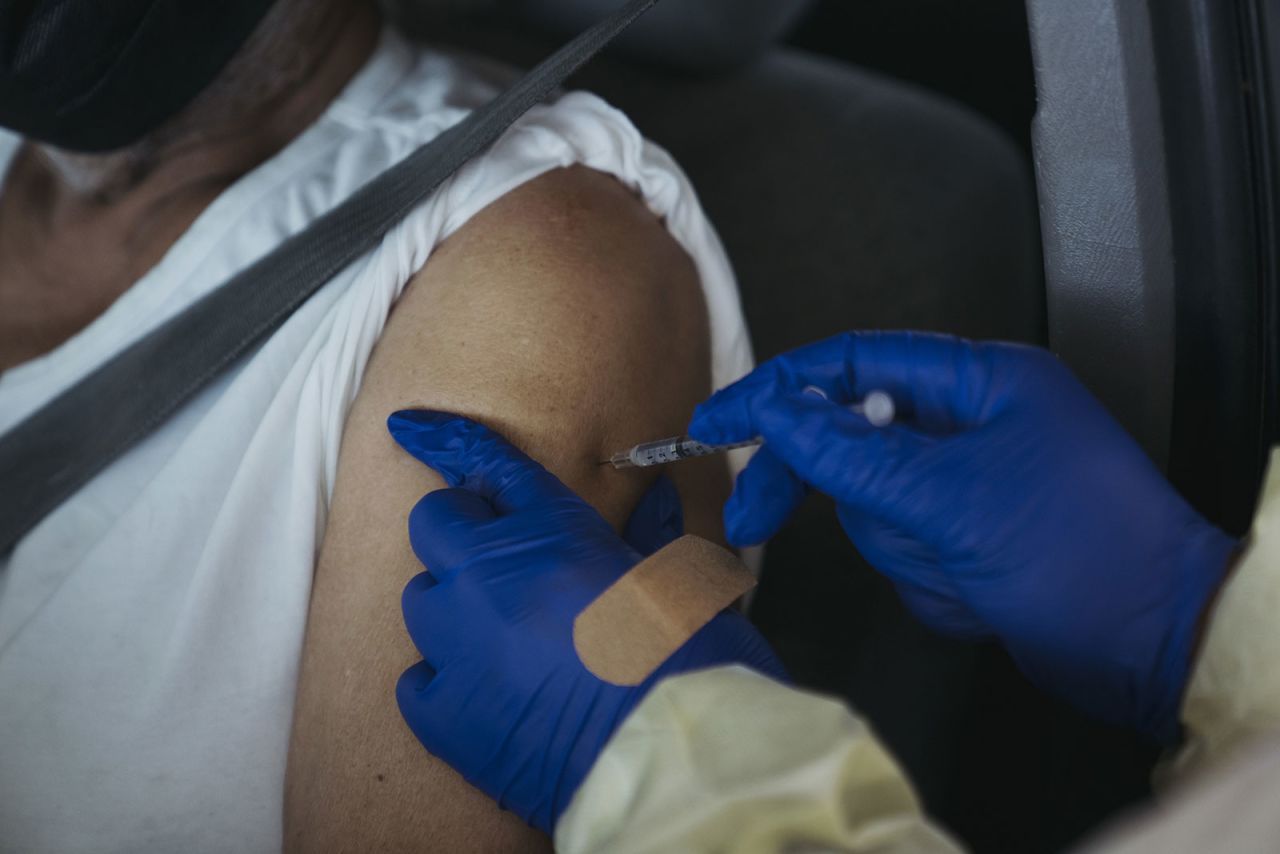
(63, 445)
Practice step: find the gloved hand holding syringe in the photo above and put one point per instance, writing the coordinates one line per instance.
(877, 407)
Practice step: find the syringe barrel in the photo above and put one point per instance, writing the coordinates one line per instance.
(668, 450)
(877, 407)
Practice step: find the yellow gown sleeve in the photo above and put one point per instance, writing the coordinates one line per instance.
(1224, 792)
(1233, 697)
(729, 760)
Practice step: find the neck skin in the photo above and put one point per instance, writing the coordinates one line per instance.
(67, 251)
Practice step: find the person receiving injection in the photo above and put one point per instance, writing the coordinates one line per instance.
(1001, 499)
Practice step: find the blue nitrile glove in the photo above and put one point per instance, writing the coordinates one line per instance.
(513, 556)
(657, 520)
(1005, 501)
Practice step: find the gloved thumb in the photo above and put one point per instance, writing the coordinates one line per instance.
(657, 520)
(763, 499)
(469, 455)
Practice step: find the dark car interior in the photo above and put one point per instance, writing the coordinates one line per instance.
(1098, 177)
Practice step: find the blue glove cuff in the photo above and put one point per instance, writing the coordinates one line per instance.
(1203, 561)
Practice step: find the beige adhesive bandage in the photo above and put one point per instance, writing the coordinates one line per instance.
(649, 613)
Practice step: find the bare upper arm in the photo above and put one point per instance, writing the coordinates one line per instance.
(563, 315)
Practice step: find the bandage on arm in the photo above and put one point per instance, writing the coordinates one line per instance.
(555, 316)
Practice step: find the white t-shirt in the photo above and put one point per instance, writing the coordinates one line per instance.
(150, 628)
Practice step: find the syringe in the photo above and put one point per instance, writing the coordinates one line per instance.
(670, 450)
(877, 407)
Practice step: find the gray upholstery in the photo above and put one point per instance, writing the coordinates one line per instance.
(1108, 232)
(844, 199)
(691, 35)
(849, 200)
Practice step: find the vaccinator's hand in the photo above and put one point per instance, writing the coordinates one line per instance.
(1004, 501)
(513, 556)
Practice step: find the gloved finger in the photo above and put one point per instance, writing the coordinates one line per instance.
(444, 527)
(657, 520)
(728, 638)
(469, 455)
(872, 469)
(415, 679)
(896, 554)
(763, 499)
(420, 704)
(425, 611)
(944, 614)
(913, 568)
(727, 416)
(939, 382)
(936, 381)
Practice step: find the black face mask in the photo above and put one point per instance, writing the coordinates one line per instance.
(94, 75)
